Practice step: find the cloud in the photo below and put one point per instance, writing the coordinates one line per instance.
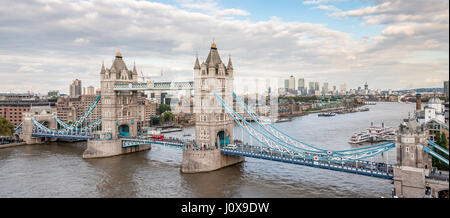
(58, 41)
(328, 8)
(81, 41)
(315, 2)
(211, 8)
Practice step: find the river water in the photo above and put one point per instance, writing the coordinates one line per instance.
(58, 170)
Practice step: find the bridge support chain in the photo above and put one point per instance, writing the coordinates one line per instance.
(108, 148)
(197, 161)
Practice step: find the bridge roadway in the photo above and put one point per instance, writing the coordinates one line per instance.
(361, 167)
(71, 135)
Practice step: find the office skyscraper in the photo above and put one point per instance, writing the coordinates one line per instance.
(75, 88)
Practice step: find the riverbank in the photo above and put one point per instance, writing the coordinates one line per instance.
(325, 110)
(12, 145)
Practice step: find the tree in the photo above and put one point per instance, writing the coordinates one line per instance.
(6, 127)
(154, 120)
(440, 140)
(163, 108)
(166, 116)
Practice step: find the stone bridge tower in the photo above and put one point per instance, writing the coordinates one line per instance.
(413, 163)
(119, 111)
(213, 126)
(119, 108)
(42, 114)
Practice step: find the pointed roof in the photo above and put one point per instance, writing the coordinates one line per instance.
(197, 64)
(103, 67)
(118, 54)
(134, 68)
(119, 64)
(213, 59)
(230, 65)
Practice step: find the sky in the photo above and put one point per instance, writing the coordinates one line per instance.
(390, 44)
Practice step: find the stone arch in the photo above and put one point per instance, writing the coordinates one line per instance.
(222, 138)
(124, 130)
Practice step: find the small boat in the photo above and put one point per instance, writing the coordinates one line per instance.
(330, 114)
(364, 109)
(187, 134)
(283, 120)
(171, 130)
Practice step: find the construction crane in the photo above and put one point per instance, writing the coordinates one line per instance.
(144, 77)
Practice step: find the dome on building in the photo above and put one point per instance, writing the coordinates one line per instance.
(434, 101)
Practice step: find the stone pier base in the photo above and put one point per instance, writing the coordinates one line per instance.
(109, 148)
(196, 161)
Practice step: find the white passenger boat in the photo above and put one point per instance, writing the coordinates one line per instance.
(358, 138)
(374, 134)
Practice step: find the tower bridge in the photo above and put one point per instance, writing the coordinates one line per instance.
(214, 147)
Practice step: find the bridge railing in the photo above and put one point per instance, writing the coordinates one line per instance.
(356, 165)
(100, 135)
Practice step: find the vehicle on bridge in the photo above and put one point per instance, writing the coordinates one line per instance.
(231, 146)
(157, 137)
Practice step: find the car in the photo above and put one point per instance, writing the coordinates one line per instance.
(231, 146)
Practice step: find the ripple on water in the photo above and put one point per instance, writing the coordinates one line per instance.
(58, 170)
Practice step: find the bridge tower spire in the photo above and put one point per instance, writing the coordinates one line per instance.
(213, 127)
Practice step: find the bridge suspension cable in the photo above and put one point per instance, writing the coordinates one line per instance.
(80, 120)
(272, 140)
(270, 129)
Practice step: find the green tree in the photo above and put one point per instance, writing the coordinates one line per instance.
(154, 120)
(163, 108)
(166, 116)
(6, 127)
(440, 140)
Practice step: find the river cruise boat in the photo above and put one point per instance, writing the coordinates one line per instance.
(359, 138)
(374, 134)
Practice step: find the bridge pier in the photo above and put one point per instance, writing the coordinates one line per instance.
(40, 113)
(196, 161)
(109, 148)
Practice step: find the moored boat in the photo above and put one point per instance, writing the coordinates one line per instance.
(330, 114)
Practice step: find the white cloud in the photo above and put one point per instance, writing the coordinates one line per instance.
(70, 39)
(314, 2)
(328, 8)
(81, 41)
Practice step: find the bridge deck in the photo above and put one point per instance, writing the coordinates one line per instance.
(61, 136)
(367, 168)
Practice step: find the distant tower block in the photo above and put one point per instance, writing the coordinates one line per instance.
(213, 126)
(119, 111)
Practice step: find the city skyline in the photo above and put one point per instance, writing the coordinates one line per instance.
(393, 44)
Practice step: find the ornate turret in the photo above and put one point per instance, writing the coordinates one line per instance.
(134, 68)
(230, 65)
(103, 68)
(120, 68)
(197, 64)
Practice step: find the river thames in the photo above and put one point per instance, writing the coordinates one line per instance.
(58, 170)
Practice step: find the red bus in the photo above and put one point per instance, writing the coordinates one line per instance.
(158, 137)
